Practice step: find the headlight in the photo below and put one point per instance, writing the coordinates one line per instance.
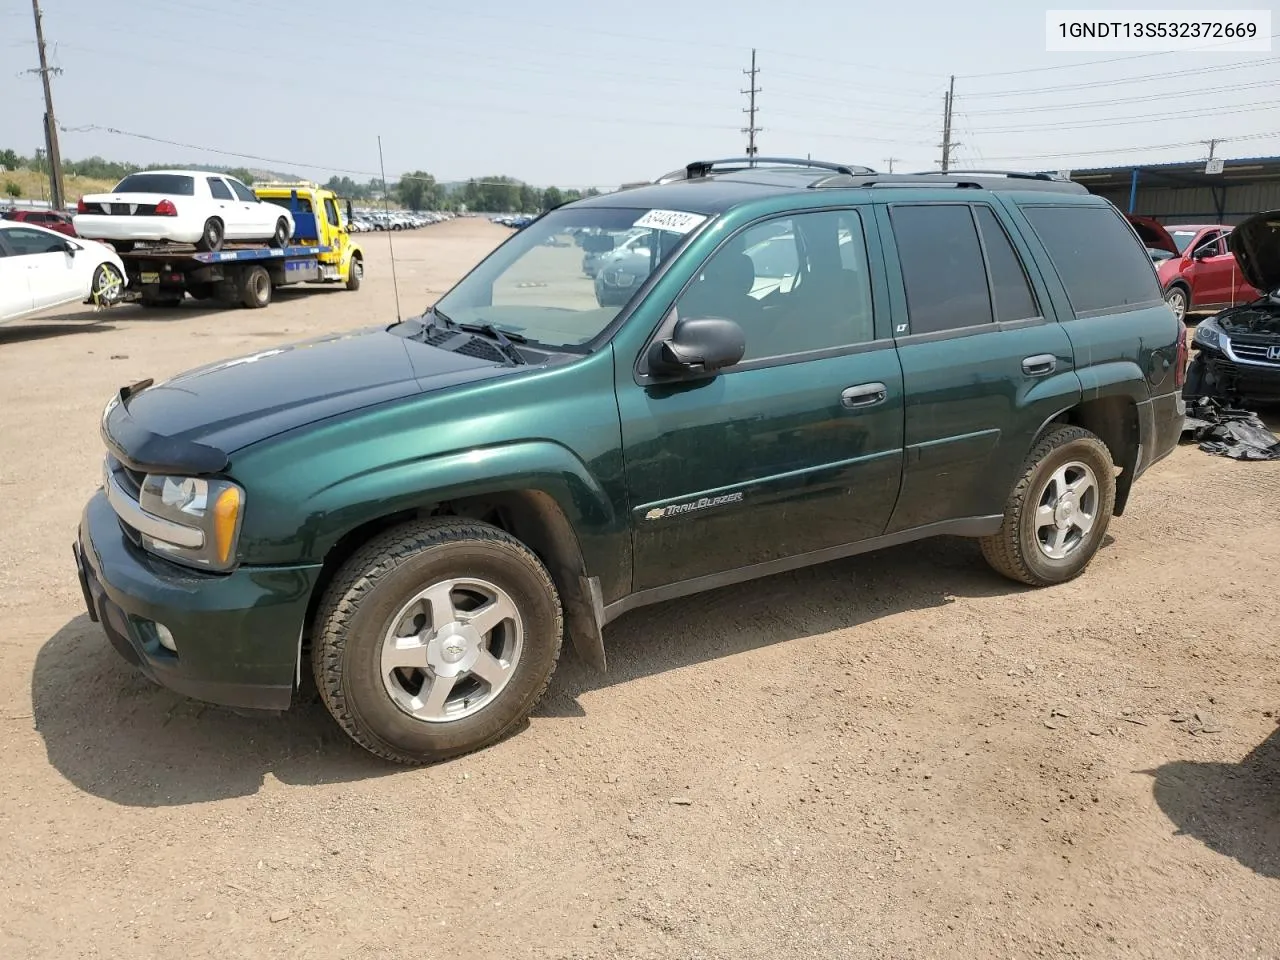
(212, 507)
(1209, 334)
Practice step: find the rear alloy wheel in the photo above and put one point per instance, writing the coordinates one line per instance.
(1176, 298)
(436, 639)
(212, 235)
(255, 287)
(1058, 512)
(108, 286)
(280, 238)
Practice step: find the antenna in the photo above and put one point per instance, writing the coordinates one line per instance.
(386, 207)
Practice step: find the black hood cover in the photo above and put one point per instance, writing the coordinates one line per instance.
(1256, 245)
(195, 420)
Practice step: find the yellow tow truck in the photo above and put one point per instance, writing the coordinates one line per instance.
(320, 219)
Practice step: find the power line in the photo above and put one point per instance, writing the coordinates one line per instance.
(751, 129)
(1137, 149)
(1095, 63)
(1134, 119)
(1113, 101)
(1093, 84)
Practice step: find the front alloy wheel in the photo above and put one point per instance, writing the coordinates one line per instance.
(108, 285)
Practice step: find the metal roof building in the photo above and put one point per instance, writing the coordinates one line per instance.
(1185, 192)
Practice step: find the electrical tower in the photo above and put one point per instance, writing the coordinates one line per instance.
(750, 110)
(50, 124)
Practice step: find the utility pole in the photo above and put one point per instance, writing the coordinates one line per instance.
(889, 161)
(947, 103)
(1211, 144)
(50, 124)
(751, 129)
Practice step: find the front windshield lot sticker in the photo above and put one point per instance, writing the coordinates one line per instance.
(675, 221)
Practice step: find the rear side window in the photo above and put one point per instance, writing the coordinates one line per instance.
(942, 267)
(219, 189)
(1099, 260)
(1009, 287)
(173, 183)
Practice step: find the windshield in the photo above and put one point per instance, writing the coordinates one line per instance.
(157, 183)
(1182, 238)
(1159, 255)
(548, 282)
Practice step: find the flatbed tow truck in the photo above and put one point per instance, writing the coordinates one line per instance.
(321, 251)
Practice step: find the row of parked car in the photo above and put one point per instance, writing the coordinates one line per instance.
(366, 221)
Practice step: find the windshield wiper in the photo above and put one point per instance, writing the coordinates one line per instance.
(506, 341)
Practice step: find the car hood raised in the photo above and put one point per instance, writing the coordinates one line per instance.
(1256, 245)
(1260, 320)
(1153, 233)
(196, 420)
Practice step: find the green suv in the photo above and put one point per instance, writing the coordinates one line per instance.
(814, 361)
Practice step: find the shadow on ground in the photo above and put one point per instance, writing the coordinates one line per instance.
(116, 735)
(1232, 808)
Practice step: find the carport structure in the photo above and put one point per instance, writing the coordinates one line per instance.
(1185, 193)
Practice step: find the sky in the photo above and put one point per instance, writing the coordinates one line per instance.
(576, 93)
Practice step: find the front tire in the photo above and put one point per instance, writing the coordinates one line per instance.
(436, 639)
(1058, 512)
(355, 273)
(211, 236)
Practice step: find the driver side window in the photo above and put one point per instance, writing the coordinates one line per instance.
(793, 284)
(1210, 245)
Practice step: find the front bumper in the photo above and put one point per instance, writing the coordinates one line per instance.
(238, 635)
(1213, 374)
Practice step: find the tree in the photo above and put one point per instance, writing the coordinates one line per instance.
(10, 160)
(14, 190)
(242, 174)
(419, 191)
(552, 198)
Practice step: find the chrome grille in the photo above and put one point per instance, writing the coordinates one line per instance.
(1255, 352)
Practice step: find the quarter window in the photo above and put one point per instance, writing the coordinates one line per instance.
(794, 284)
(1100, 261)
(942, 267)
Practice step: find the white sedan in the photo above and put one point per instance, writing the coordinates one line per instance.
(40, 269)
(181, 206)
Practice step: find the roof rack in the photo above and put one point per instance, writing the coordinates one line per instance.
(701, 168)
(952, 180)
(1012, 174)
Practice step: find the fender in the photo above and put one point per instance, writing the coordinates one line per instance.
(338, 504)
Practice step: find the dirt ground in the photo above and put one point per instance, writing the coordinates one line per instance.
(895, 756)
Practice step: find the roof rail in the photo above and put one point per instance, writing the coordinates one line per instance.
(1013, 174)
(701, 168)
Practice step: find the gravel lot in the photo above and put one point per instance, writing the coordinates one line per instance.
(893, 756)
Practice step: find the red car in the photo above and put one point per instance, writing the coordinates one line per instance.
(1197, 271)
(49, 219)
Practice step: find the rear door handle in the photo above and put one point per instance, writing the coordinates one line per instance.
(863, 395)
(1039, 365)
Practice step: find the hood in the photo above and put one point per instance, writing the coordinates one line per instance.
(1153, 234)
(197, 419)
(1256, 245)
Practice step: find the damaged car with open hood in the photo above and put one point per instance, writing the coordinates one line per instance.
(1237, 351)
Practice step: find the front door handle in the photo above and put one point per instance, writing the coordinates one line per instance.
(863, 395)
(1039, 365)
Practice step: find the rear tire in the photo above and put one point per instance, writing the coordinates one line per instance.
(355, 273)
(255, 287)
(1058, 512)
(1179, 302)
(411, 594)
(280, 239)
(212, 236)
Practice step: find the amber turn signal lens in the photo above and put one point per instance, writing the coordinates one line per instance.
(226, 512)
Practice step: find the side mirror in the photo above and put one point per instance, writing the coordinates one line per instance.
(1202, 253)
(70, 247)
(698, 345)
